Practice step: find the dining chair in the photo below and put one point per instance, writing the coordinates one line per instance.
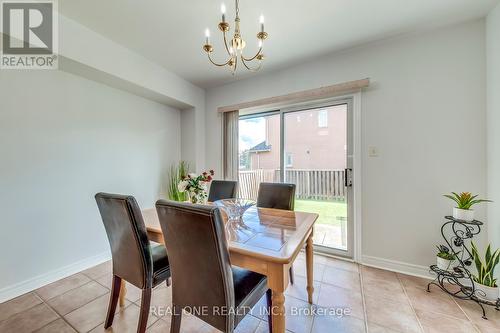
(277, 196)
(136, 260)
(202, 275)
(222, 189)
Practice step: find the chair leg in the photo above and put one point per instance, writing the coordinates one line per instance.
(269, 298)
(143, 317)
(292, 276)
(113, 301)
(175, 323)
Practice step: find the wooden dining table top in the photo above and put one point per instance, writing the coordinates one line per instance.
(272, 234)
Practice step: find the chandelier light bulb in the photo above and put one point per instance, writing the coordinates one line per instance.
(207, 33)
(223, 11)
(261, 19)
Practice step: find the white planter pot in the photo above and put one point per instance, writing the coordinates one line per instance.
(463, 214)
(487, 293)
(444, 264)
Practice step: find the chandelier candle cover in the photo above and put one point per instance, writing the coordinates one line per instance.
(234, 48)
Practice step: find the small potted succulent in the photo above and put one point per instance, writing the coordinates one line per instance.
(486, 284)
(445, 257)
(464, 201)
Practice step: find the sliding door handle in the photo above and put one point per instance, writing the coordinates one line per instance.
(347, 177)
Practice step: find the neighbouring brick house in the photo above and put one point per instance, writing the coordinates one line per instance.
(323, 148)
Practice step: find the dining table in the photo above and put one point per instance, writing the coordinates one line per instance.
(266, 241)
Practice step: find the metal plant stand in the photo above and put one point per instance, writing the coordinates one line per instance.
(457, 281)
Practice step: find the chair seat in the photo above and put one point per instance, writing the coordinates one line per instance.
(249, 287)
(161, 268)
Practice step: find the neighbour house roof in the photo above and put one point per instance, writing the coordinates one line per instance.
(260, 148)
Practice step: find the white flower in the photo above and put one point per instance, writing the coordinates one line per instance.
(182, 185)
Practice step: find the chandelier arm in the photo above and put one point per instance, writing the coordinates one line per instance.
(225, 44)
(216, 64)
(252, 58)
(252, 69)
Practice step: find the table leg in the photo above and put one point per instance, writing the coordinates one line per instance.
(310, 268)
(277, 279)
(123, 293)
(278, 312)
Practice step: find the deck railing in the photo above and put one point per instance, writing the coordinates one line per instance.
(311, 184)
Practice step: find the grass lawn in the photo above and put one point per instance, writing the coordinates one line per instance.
(327, 210)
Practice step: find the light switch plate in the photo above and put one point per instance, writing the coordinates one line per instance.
(372, 151)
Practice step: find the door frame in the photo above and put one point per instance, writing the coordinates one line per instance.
(353, 101)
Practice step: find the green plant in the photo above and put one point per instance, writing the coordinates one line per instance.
(465, 200)
(444, 252)
(176, 174)
(486, 269)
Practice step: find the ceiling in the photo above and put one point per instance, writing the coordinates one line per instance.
(171, 33)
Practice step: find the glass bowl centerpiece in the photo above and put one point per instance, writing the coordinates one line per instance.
(234, 208)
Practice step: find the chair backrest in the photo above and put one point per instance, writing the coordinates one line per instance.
(222, 189)
(127, 237)
(199, 260)
(276, 195)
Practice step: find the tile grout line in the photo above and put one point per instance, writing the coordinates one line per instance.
(35, 291)
(31, 307)
(60, 316)
(365, 313)
(467, 316)
(410, 302)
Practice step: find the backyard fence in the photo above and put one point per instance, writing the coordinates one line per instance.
(311, 184)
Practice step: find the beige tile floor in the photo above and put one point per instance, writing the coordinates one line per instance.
(377, 301)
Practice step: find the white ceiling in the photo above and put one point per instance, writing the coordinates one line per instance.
(171, 33)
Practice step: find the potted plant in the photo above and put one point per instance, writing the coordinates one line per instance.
(444, 257)
(177, 173)
(464, 201)
(486, 284)
(196, 186)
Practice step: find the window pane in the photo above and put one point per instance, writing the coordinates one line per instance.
(259, 153)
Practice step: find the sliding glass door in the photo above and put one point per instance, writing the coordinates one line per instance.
(308, 146)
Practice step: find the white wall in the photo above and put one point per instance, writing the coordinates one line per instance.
(493, 117)
(425, 111)
(62, 139)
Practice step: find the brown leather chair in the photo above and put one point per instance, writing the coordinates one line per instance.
(278, 196)
(202, 276)
(222, 189)
(142, 263)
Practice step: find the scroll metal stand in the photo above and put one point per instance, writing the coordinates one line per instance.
(457, 281)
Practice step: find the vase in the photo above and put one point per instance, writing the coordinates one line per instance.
(444, 264)
(466, 215)
(487, 293)
(199, 198)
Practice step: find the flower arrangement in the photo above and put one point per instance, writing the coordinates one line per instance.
(196, 186)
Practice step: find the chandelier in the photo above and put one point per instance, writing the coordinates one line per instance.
(236, 45)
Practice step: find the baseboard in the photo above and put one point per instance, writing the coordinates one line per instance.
(398, 267)
(36, 282)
